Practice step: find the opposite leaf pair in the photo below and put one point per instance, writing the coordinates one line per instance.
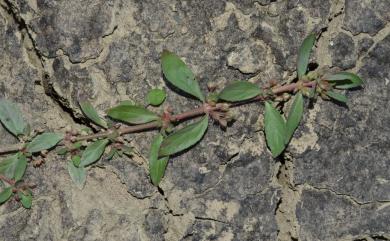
(278, 131)
(178, 74)
(13, 168)
(176, 142)
(90, 155)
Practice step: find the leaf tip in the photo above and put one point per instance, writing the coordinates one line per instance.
(165, 53)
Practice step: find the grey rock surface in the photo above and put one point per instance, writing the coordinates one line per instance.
(332, 184)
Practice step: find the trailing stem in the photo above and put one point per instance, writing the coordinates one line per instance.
(190, 114)
(84, 150)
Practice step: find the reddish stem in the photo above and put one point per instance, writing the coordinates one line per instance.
(291, 87)
(204, 109)
(7, 180)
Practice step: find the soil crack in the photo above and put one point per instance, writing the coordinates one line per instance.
(286, 219)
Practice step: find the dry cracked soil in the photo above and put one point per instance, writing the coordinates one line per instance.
(332, 184)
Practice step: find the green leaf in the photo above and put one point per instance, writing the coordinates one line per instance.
(93, 152)
(111, 154)
(337, 96)
(5, 194)
(184, 138)
(132, 114)
(239, 91)
(213, 97)
(127, 150)
(25, 199)
(14, 166)
(304, 54)
(157, 165)
(44, 141)
(77, 145)
(78, 174)
(179, 75)
(27, 130)
(12, 118)
(7, 166)
(76, 160)
(156, 97)
(62, 151)
(294, 116)
(92, 114)
(275, 130)
(345, 80)
(86, 130)
(20, 167)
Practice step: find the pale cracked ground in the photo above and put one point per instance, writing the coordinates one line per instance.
(332, 184)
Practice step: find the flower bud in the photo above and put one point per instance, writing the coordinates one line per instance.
(312, 75)
(223, 106)
(230, 116)
(279, 98)
(68, 128)
(286, 96)
(75, 132)
(211, 86)
(223, 123)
